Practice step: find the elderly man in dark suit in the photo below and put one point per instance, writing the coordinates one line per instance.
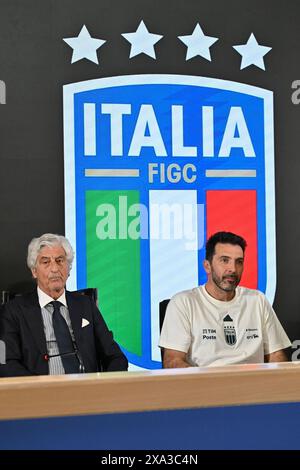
(52, 331)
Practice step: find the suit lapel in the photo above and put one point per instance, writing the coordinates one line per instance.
(76, 314)
(33, 317)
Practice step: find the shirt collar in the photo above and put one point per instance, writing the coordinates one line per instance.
(45, 299)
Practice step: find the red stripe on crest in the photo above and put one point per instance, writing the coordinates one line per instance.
(235, 211)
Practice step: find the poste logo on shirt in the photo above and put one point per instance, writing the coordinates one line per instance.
(153, 164)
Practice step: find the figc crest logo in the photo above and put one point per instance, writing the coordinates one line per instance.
(154, 164)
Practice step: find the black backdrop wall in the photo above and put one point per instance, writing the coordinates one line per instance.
(35, 63)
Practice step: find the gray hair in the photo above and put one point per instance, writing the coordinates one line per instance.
(48, 239)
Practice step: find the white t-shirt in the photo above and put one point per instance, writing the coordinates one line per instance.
(215, 333)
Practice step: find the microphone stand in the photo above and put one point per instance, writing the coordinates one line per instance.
(75, 352)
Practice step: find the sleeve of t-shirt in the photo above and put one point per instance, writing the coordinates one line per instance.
(275, 338)
(176, 330)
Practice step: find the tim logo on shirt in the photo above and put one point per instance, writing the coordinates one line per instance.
(153, 165)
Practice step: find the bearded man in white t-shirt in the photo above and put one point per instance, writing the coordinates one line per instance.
(220, 323)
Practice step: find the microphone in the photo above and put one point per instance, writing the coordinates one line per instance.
(79, 357)
(73, 353)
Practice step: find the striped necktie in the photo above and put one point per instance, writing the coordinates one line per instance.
(64, 340)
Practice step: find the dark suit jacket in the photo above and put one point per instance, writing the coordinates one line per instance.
(22, 330)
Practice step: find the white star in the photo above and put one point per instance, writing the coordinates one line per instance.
(252, 53)
(198, 44)
(142, 42)
(84, 46)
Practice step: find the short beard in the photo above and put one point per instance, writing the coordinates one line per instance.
(229, 288)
